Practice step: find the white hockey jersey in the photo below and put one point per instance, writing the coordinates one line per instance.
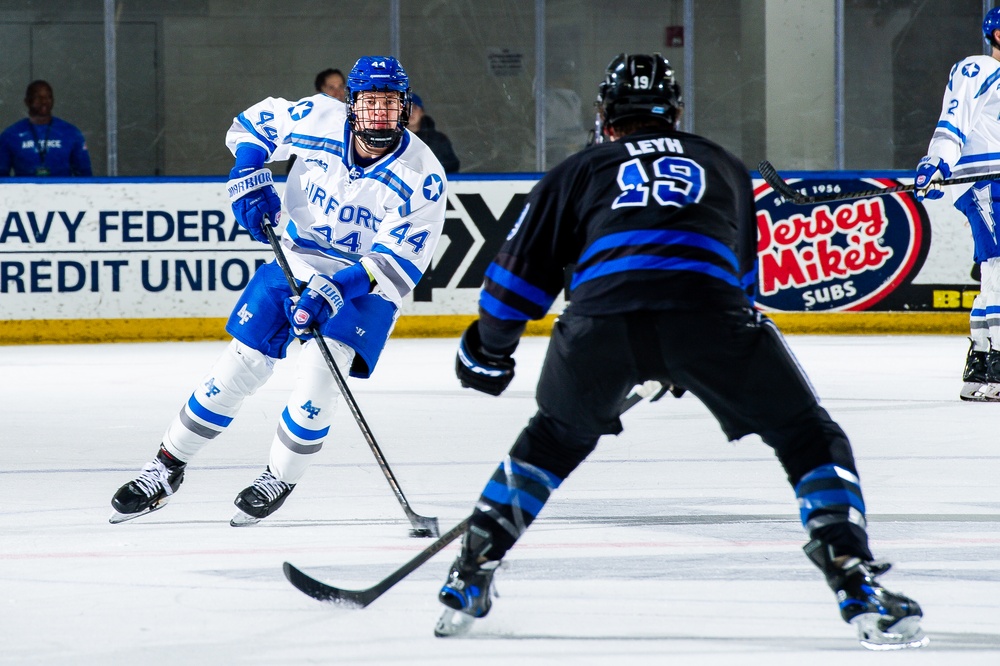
(389, 215)
(967, 136)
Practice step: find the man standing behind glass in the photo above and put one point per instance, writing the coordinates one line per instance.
(42, 145)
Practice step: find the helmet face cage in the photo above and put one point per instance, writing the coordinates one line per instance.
(991, 23)
(381, 74)
(637, 86)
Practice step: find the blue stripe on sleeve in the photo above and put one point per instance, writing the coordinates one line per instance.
(248, 126)
(981, 157)
(988, 83)
(409, 267)
(945, 125)
(317, 143)
(499, 309)
(519, 286)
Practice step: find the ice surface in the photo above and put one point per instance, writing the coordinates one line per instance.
(668, 546)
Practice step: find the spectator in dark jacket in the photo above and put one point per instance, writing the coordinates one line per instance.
(423, 126)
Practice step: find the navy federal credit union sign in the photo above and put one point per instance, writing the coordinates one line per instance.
(841, 255)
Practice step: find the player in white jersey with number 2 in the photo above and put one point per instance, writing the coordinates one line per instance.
(966, 142)
(366, 201)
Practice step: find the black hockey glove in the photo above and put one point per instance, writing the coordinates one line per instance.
(479, 369)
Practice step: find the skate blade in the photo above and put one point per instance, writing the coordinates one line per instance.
(973, 392)
(905, 634)
(241, 519)
(117, 517)
(453, 623)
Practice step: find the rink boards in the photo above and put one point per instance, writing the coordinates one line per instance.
(163, 259)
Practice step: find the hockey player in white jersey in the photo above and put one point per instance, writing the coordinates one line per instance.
(966, 142)
(366, 202)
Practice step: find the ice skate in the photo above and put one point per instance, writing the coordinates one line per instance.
(151, 490)
(978, 384)
(262, 498)
(453, 623)
(468, 595)
(885, 620)
(469, 588)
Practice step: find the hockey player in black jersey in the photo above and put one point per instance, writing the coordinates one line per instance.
(660, 226)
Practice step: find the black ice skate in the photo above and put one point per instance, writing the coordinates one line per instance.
(150, 490)
(469, 588)
(885, 620)
(262, 498)
(979, 384)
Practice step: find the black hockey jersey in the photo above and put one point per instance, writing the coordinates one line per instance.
(653, 221)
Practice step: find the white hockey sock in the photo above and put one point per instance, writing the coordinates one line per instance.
(238, 373)
(308, 414)
(991, 318)
(985, 319)
(978, 327)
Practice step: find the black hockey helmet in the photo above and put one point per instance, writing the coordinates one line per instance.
(637, 86)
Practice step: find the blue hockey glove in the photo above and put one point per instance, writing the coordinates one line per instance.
(479, 369)
(251, 189)
(320, 300)
(930, 170)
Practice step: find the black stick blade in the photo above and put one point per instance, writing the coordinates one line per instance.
(328, 593)
(361, 598)
(423, 526)
(778, 184)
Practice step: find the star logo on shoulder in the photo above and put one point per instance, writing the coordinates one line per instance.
(300, 110)
(433, 186)
(970, 70)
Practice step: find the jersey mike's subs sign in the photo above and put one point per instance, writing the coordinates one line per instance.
(119, 253)
(846, 255)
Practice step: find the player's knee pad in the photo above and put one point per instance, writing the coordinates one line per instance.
(810, 440)
(552, 446)
(236, 374)
(832, 509)
(239, 372)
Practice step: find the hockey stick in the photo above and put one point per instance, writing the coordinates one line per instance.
(422, 525)
(360, 598)
(770, 175)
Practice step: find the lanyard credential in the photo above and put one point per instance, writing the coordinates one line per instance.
(42, 170)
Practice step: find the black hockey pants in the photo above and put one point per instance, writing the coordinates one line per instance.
(735, 362)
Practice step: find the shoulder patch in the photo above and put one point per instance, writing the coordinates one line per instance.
(433, 186)
(300, 110)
